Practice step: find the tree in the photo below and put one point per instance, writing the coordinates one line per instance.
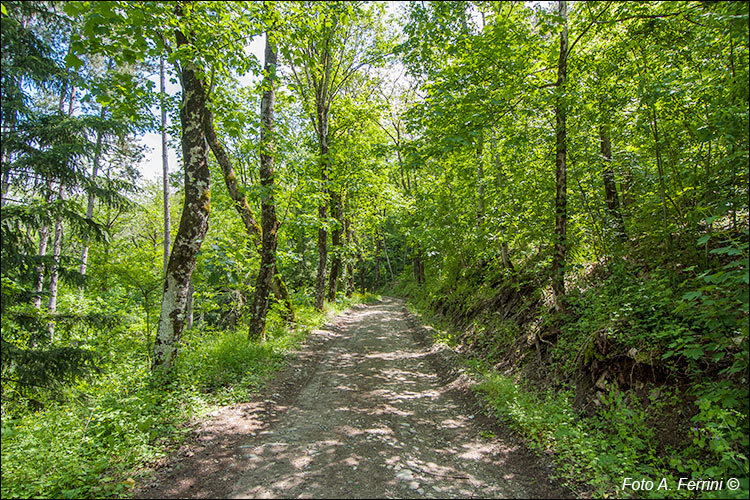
(165, 164)
(46, 147)
(325, 52)
(560, 257)
(253, 228)
(194, 218)
(269, 222)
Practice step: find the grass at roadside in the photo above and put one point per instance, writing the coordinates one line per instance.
(87, 444)
(594, 452)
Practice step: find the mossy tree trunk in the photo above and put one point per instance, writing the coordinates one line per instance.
(252, 227)
(270, 223)
(194, 218)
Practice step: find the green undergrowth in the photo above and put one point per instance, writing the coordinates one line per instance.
(92, 438)
(594, 452)
(612, 450)
(668, 354)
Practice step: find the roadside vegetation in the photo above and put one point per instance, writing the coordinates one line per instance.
(93, 438)
(563, 186)
(616, 388)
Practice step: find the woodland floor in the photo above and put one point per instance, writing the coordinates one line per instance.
(366, 409)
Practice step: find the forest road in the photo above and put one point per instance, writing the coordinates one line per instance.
(367, 409)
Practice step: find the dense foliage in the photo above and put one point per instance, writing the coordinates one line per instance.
(562, 187)
(653, 329)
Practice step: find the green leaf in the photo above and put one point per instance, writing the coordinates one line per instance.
(726, 250)
(693, 352)
(692, 295)
(71, 60)
(103, 99)
(709, 220)
(703, 239)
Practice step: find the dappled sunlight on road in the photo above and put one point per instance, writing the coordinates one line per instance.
(375, 421)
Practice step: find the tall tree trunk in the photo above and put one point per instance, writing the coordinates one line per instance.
(608, 176)
(270, 224)
(337, 213)
(253, 229)
(480, 194)
(499, 178)
(39, 285)
(480, 181)
(6, 157)
(362, 273)
(418, 263)
(561, 211)
(43, 239)
(349, 279)
(57, 244)
(360, 264)
(90, 204)
(376, 278)
(194, 218)
(55, 271)
(320, 281)
(348, 274)
(388, 261)
(660, 170)
(164, 164)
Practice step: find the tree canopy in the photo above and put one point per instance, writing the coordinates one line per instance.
(578, 169)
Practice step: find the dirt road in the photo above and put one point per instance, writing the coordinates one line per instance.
(367, 410)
